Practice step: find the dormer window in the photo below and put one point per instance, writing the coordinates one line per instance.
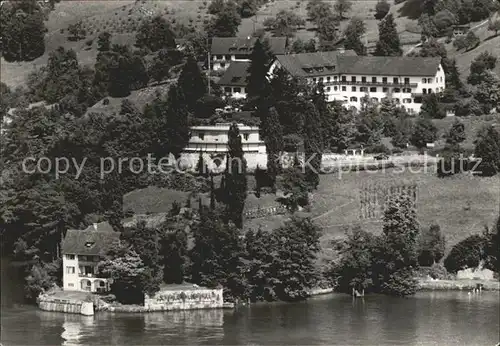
(89, 244)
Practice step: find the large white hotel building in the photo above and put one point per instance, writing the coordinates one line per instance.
(348, 78)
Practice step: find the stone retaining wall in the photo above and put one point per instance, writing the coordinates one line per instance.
(64, 305)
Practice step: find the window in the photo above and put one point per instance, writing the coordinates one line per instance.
(374, 79)
(429, 80)
(328, 88)
(335, 78)
(70, 270)
(237, 89)
(201, 135)
(227, 89)
(363, 89)
(384, 79)
(424, 91)
(424, 80)
(314, 80)
(363, 79)
(245, 135)
(395, 80)
(70, 257)
(353, 89)
(335, 88)
(407, 90)
(328, 79)
(82, 258)
(353, 79)
(344, 79)
(440, 79)
(407, 80)
(385, 90)
(373, 89)
(86, 270)
(102, 284)
(321, 79)
(396, 100)
(228, 57)
(374, 99)
(406, 100)
(354, 99)
(396, 90)
(71, 285)
(344, 88)
(222, 64)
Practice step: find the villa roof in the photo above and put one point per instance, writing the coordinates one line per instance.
(244, 45)
(391, 66)
(318, 64)
(236, 74)
(94, 240)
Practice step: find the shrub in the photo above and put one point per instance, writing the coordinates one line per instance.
(466, 254)
(105, 102)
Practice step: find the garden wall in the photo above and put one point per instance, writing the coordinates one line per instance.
(185, 299)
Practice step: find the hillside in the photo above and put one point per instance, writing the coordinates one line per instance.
(119, 17)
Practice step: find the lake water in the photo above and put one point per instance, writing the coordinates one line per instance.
(429, 318)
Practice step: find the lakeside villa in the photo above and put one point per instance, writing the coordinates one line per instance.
(349, 78)
(81, 252)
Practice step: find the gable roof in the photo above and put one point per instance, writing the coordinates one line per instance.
(244, 45)
(236, 74)
(297, 64)
(392, 66)
(94, 240)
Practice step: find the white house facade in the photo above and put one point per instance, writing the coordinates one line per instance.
(349, 78)
(226, 50)
(81, 252)
(214, 139)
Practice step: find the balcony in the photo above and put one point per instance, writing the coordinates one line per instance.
(368, 84)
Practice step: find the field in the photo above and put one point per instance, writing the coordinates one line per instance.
(363, 9)
(461, 205)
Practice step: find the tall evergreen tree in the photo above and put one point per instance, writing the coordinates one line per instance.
(192, 82)
(258, 83)
(177, 128)
(273, 137)
(235, 180)
(388, 43)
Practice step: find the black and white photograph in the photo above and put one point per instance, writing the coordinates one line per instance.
(250, 172)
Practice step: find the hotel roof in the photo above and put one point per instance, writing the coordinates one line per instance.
(336, 62)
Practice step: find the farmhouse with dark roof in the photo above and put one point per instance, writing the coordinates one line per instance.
(225, 50)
